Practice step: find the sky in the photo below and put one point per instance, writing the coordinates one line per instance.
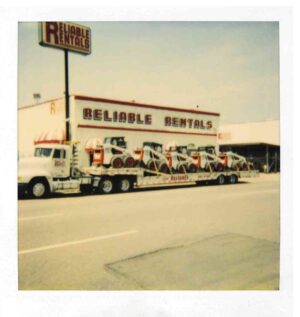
(226, 67)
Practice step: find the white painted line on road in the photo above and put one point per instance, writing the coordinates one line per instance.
(38, 217)
(66, 244)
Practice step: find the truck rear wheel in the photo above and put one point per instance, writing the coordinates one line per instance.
(233, 179)
(221, 180)
(125, 185)
(106, 185)
(38, 188)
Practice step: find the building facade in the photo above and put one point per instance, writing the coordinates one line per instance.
(259, 142)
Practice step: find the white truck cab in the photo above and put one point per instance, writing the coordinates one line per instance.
(49, 163)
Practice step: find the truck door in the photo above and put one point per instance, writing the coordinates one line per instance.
(61, 164)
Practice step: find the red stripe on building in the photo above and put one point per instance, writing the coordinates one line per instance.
(141, 130)
(143, 105)
(47, 142)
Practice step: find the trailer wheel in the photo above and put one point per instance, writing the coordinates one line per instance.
(125, 185)
(233, 179)
(38, 188)
(129, 162)
(221, 180)
(106, 185)
(192, 168)
(116, 162)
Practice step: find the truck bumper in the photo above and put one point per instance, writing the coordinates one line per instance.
(22, 188)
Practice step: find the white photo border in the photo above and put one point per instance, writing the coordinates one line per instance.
(137, 303)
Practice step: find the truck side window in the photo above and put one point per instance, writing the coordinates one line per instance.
(56, 154)
(59, 154)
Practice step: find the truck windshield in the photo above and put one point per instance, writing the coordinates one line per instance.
(42, 152)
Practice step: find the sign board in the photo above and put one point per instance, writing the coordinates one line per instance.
(137, 117)
(67, 36)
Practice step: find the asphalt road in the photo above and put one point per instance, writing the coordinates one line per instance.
(208, 237)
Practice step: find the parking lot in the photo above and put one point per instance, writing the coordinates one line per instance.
(207, 237)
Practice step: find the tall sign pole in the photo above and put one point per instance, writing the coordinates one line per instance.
(68, 37)
(67, 96)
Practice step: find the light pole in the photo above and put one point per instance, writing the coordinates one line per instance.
(36, 97)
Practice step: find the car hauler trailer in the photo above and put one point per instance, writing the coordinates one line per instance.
(69, 166)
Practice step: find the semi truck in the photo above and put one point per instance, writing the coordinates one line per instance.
(103, 153)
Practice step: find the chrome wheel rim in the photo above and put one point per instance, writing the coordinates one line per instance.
(38, 189)
(125, 184)
(221, 180)
(107, 186)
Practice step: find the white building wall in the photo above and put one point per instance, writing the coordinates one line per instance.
(37, 119)
(136, 134)
(250, 133)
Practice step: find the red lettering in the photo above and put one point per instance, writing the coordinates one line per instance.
(138, 119)
(209, 124)
(190, 122)
(168, 121)
(51, 31)
(182, 123)
(115, 116)
(106, 116)
(175, 122)
(122, 117)
(87, 113)
(131, 117)
(196, 124)
(97, 114)
(148, 119)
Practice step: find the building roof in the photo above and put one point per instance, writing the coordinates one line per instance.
(266, 132)
(128, 103)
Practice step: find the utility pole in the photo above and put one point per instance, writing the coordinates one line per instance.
(67, 96)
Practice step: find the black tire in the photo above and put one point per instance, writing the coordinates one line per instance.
(152, 165)
(221, 180)
(192, 168)
(129, 162)
(125, 185)
(220, 167)
(232, 179)
(244, 167)
(106, 185)
(163, 168)
(38, 188)
(181, 169)
(117, 162)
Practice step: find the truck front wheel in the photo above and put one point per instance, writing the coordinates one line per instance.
(38, 188)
